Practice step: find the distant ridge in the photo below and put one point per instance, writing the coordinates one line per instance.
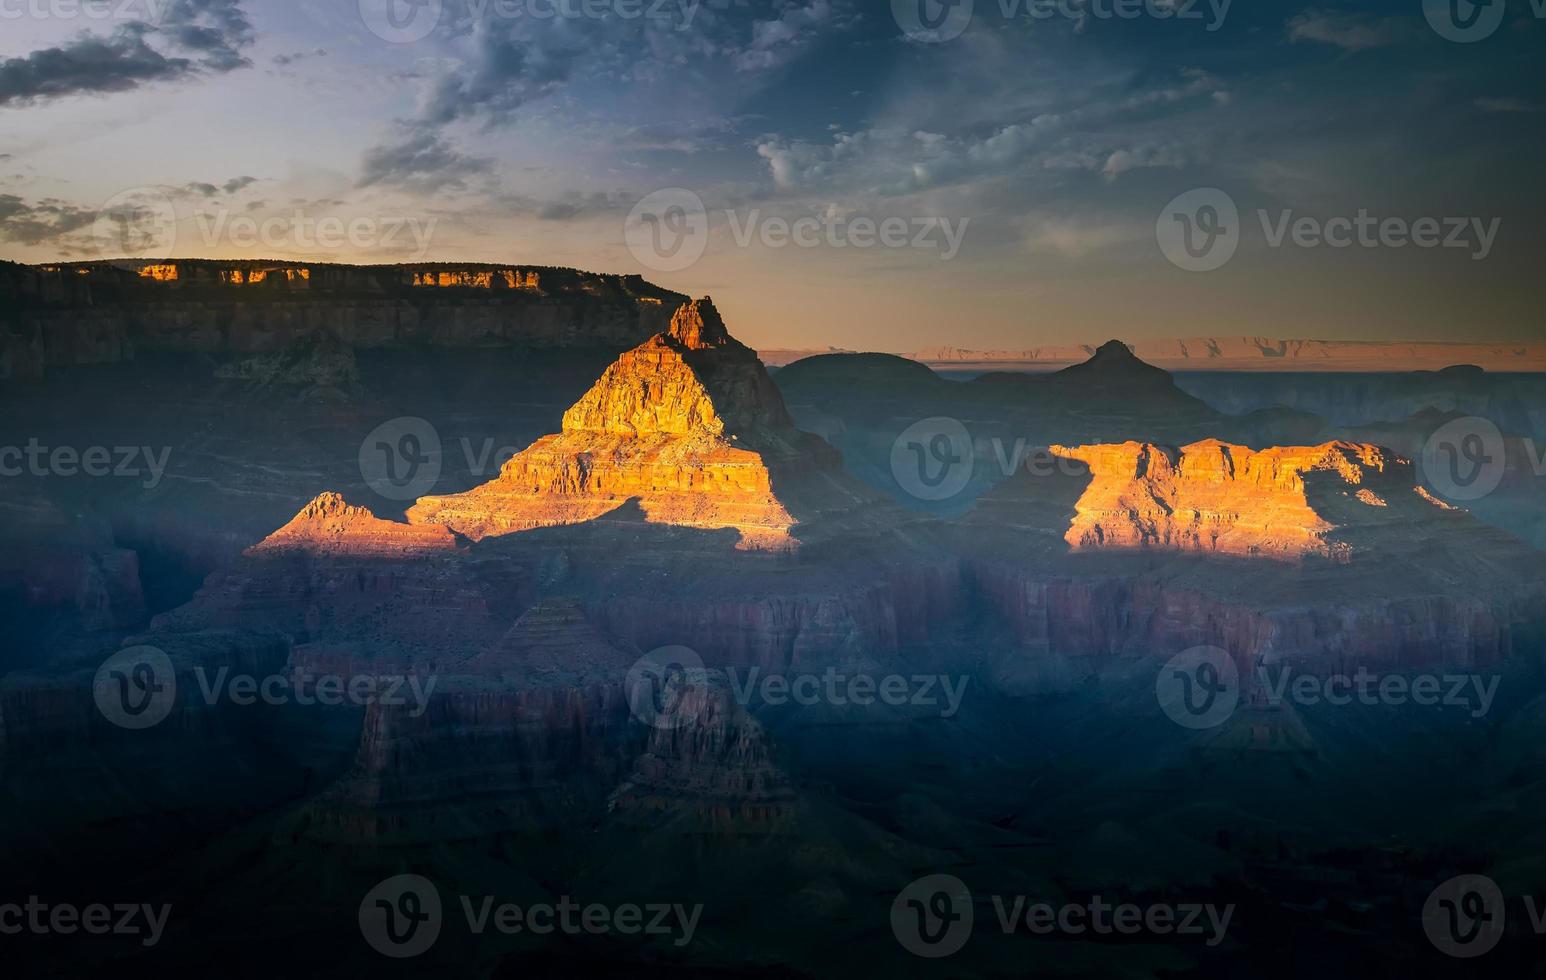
(1237, 354)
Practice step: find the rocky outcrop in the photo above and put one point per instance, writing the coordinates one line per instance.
(330, 525)
(709, 769)
(89, 313)
(688, 428)
(1283, 503)
(1327, 555)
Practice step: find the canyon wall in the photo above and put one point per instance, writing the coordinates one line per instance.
(92, 313)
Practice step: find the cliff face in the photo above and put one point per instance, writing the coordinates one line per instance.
(688, 428)
(535, 733)
(101, 313)
(1327, 554)
(1214, 497)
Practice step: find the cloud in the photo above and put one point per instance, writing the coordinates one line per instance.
(776, 42)
(48, 220)
(889, 161)
(200, 35)
(1139, 157)
(290, 59)
(205, 189)
(1350, 32)
(422, 162)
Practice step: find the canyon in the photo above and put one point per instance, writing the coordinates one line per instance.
(602, 495)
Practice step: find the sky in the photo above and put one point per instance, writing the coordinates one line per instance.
(991, 174)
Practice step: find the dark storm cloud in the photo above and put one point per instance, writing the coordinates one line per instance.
(48, 220)
(192, 36)
(420, 161)
(201, 188)
(290, 59)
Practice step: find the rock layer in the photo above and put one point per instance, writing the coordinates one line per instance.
(106, 312)
(1284, 503)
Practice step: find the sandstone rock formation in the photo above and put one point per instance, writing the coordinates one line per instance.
(1329, 555)
(330, 525)
(1283, 503)
(689, 427)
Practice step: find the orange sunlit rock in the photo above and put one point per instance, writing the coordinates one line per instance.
(688, 425)
(1283, 502)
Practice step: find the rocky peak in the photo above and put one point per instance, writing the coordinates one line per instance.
(693, 379)
(1114, 352)
(698, 326)
(331, 524)
(686, 429)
